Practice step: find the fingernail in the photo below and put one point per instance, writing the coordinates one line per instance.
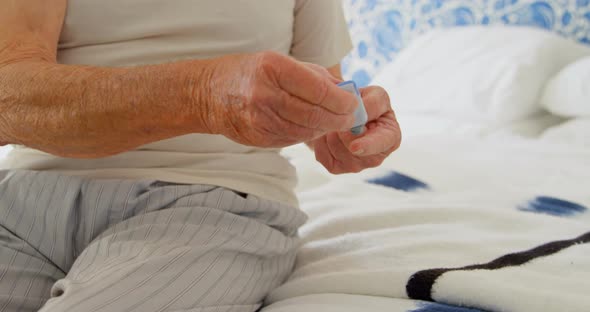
(359, 152)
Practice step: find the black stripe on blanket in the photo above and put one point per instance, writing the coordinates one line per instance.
(420, 285)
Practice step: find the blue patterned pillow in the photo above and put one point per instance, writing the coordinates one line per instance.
(381, 28)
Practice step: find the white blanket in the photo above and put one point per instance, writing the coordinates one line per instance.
(490, 224)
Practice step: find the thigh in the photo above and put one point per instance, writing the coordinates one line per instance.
(180, 259)
(26, 276)
(46, 219)
(41, 209)
(31, 248)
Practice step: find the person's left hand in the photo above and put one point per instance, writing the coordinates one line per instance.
(343, 152)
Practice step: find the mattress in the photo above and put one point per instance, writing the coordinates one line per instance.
(453, 221)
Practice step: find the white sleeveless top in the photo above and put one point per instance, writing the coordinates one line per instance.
(139, 32)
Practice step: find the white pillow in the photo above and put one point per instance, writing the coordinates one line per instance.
(568, 93)
(479, 73)
(573, 132)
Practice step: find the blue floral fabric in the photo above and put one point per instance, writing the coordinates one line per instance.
(382, 28)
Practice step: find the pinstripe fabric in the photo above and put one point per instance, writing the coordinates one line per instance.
(76, 244)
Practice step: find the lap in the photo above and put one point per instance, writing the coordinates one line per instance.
(179, 263)
(151, 247)
(26, 276)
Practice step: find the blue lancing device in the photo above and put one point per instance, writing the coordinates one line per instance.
(360, 115)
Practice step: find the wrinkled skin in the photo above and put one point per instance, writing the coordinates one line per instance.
(343, 152)
(271, 100)
(275, 101)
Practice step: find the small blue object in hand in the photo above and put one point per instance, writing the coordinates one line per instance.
(360, 115)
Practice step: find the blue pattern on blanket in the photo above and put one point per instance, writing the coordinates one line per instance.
(382, 28)
(400, 182)
(436, 307)
(553, 206)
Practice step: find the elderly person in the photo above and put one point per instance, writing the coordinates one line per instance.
(146, 173)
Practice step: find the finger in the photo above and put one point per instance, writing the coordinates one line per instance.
(383, 136)
(345, 162)
(323, 154)
(376, 101)
(275, 126)
(323, 71)
(303, 82)
(311, 116)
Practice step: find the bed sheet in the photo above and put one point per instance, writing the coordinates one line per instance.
(422, 135)
(478, 223)
(414, 125)
(357, 303)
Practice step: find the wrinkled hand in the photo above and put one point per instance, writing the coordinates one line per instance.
(271, 100)
(343, 152)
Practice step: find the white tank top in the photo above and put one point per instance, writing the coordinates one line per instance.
(139, 32)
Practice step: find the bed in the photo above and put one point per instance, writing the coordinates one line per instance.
(485, 207)
(447, 203)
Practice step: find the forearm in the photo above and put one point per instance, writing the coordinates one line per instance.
(89, 112)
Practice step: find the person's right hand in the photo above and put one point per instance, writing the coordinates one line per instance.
(271, 100)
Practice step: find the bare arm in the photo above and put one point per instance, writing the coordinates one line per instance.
(90, 112)
(84, 111)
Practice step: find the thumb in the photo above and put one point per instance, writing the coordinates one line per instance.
(323, 71)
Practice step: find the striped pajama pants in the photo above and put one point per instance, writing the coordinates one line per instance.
(87, 245)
